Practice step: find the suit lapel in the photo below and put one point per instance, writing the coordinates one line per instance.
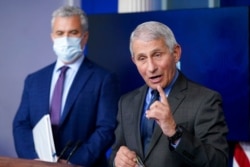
(43, 90)
(80, 80)
(176, 96)
(133, 119)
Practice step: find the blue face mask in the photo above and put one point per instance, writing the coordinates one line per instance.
(67, 49)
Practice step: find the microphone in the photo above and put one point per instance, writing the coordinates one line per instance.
(78, 144)
(67, 146)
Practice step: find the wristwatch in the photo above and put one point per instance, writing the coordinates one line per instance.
(177, 135)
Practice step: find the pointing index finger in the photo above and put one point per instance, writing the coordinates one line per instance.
(162, 95)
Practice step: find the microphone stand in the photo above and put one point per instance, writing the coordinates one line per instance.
(68, 145)
(78, 144)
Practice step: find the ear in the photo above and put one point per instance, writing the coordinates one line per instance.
(85, 38)
(133, 59)
(177, 52)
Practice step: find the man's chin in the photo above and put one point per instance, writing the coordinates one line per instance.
(154, 85)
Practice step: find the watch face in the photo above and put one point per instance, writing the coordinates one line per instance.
(177, 135)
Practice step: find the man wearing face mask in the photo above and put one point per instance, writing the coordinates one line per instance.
(87, 102)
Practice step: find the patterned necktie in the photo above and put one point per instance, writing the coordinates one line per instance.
(147, 125)
(56, 102)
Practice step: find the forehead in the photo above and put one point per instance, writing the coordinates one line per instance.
(140, 46)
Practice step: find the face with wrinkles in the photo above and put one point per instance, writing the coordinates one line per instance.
(154, 61)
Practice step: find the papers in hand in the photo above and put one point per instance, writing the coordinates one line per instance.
(43, 140)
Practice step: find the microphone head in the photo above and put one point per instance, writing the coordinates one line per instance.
(69, 143)
(78, 143)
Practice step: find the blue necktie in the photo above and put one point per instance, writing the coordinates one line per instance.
(147, 125)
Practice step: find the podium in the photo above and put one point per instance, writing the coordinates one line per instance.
(17, 162)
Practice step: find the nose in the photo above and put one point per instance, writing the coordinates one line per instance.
(67, 34)
(151, 66)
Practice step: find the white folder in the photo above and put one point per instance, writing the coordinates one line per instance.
(43, 140)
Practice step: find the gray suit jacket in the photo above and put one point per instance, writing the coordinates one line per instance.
(197, 109)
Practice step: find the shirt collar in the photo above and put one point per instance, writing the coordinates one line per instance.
(75, 66)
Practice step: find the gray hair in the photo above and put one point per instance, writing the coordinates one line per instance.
(153, 30)
(67, 11)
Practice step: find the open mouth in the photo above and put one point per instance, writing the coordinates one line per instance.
(155, 79)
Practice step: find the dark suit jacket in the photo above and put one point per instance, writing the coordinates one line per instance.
(196, 108)
(89, 114)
